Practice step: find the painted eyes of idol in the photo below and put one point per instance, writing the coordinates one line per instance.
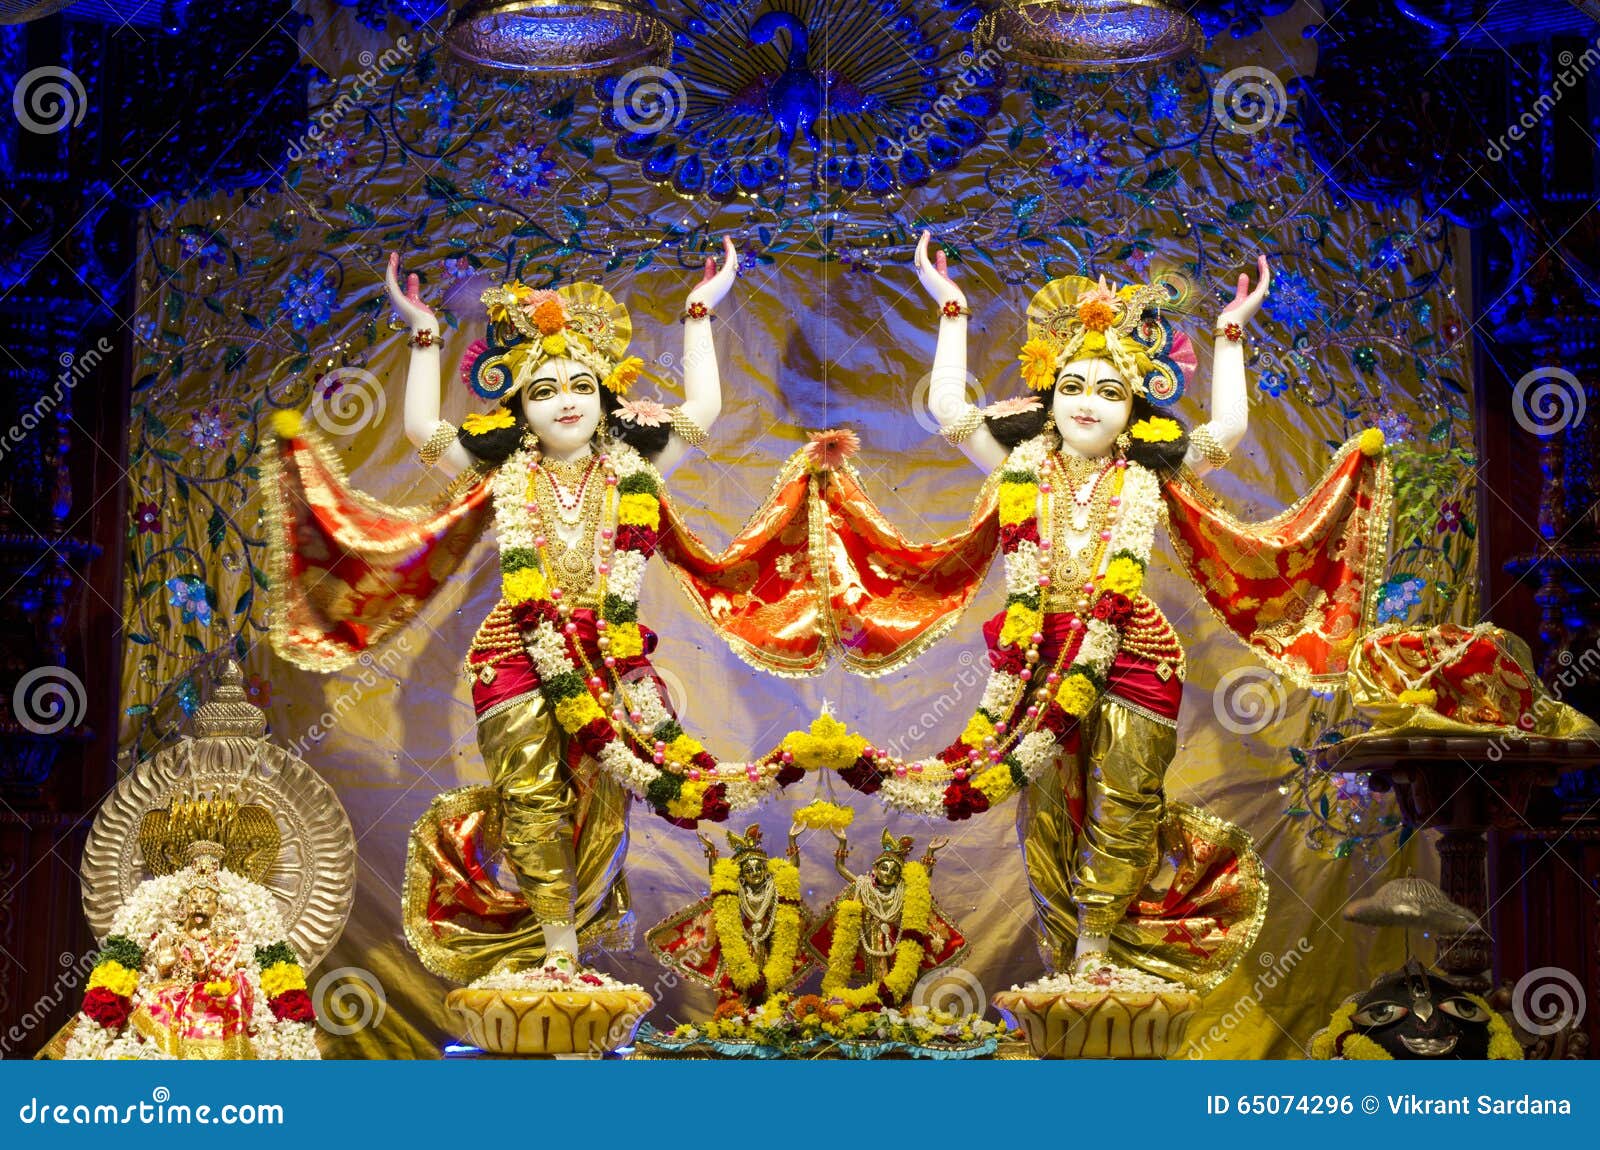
(1108, 388)
(543, 389)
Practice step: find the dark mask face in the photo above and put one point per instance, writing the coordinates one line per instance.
(1414, 1014)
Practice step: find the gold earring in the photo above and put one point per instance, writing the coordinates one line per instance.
(530, 441)
(1124, 441)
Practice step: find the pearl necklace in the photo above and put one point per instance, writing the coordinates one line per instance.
(757, 908)
(885, 907)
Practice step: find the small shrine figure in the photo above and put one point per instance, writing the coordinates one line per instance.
(197, 967)
(884, 931)
(744, 939)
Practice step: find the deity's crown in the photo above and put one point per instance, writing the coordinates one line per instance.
(897, 847)
(1074, 317)
(209, 832)
(748, 843)
(527, 326)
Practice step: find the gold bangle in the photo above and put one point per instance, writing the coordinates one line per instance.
(438, 442)
(950, 309)
(688, 430)
(1211, 450)
(964, 426)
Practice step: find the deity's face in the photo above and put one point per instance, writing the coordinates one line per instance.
(886, 873)
(201, 907)
(562, 405)
(1091, 406)
(1413, 1014)
(753, 872)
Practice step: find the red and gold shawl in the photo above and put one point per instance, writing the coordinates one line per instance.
(818, 572)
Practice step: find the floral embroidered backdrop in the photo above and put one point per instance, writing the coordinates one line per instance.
(255, 301)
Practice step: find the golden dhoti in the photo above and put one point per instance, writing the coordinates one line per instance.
(1116, 775)
(559, 821)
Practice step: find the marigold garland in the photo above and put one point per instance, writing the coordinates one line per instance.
(1010, 739)
(617, 716)
(737, 960)
(915, 915)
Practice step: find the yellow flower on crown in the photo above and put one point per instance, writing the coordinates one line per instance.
(1156, 430)
(555, 344)
(1038, 360)
(625, 375)
(478, 423)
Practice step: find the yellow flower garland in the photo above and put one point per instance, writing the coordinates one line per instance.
(115, 977)
(902, 978)
(281, 977)
(825, 816)
(736, 957)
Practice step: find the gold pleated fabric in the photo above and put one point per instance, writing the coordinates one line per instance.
(1181, 893)
(562, 823)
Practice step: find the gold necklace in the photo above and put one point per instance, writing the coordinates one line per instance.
(1071, 570)
(573, 560)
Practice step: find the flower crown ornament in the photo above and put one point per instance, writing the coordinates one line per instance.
(1074, 318)
(528, 326)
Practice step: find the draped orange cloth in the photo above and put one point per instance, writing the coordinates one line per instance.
(819, 573)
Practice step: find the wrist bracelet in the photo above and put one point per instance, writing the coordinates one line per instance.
(1231, 332)
(1211, 450)
(950, 309)
(966, 423)
(438, 442)
(695, 310)
(422, 337)
(688, 430)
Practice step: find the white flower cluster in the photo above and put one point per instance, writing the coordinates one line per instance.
(1120, 979)
(548, 978)
(512, 523)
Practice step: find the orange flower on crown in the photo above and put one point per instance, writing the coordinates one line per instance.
(545, 310)
(1096, 308)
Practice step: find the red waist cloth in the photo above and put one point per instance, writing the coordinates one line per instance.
(1132, 679)
(514, 674)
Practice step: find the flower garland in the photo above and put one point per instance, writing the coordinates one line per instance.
(915, 916)
(283, 1020)
(756, 983)
(997, 754)
(824, 816)
(612, 711)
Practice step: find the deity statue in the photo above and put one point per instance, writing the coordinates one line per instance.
(572, 719)
(1079, 714)
(884, 931)
(197, 967)
(744, 939)
(1084, 472)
